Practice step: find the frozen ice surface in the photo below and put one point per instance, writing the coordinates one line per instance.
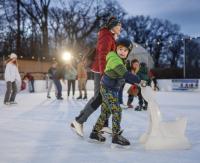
(37, 131)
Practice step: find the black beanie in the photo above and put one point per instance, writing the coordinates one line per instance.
(112, 22)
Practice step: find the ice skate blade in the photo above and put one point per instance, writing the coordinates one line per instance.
(74, 130)
(95, 141)
(113, 146)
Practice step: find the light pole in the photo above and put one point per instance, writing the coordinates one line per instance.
(184, 58)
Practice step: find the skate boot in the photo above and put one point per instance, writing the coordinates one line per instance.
(79, 97)
(130, 106)
(77, 127)
(96, 136)
(13, 102)
(119, 141)
(138, 108)
(145, 107)
(85, 97)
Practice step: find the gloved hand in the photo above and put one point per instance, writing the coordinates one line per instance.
(143, 83)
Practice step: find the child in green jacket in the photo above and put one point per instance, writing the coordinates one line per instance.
(114, 76)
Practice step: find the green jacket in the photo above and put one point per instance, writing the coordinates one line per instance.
(116, 74)
(115, 67)
(143, 74)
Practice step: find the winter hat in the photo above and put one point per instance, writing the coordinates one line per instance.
(112, 22)
(125, 42)
(142, 64)
(13, 55)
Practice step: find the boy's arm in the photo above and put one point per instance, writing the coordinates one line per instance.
(128, 76)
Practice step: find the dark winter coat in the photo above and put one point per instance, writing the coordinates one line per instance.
(56, 73)
(105, 44)
(143, 74)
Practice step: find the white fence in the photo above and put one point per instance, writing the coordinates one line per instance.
(40, 86)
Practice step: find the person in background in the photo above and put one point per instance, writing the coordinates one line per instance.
(70, 74)
(11, 75)
(143, 74)
(55, 73)
(154, 83)
(30, 79)
(82, 79)
(49, 84)
(133, 90)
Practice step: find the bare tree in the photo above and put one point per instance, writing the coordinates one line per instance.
(38, 11)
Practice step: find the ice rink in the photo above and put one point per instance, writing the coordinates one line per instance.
(37, 131)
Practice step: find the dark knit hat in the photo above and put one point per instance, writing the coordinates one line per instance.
(112, 22)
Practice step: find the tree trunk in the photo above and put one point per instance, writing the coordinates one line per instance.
(18, 41)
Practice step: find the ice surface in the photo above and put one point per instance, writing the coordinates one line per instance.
(37, 131)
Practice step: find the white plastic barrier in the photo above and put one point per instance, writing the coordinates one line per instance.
(40, 85)
(162, 135)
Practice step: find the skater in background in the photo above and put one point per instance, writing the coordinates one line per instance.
(11, 75)
(49, 84)
(30, 79)
(70, 75)
(56, 74)
(114, 76)
(154, 80)
(143, 74)
(133, 90)
(105, 44)
(82, 79)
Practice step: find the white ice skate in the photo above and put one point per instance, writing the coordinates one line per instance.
(77, 128)
(162, 135)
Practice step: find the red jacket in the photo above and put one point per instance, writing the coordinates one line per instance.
(105, 44)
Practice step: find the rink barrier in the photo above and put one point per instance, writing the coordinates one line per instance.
(40, 86)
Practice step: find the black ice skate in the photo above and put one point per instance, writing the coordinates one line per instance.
(96, 136)
(119, 141)
(85, 97)
(145, 107)
(138, 108)
(78, 98)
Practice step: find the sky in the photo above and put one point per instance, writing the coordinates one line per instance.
(185, 13)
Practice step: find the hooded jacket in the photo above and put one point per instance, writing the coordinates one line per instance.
(105, 44)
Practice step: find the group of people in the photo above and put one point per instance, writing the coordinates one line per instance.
(69, 73)
(110, 75)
